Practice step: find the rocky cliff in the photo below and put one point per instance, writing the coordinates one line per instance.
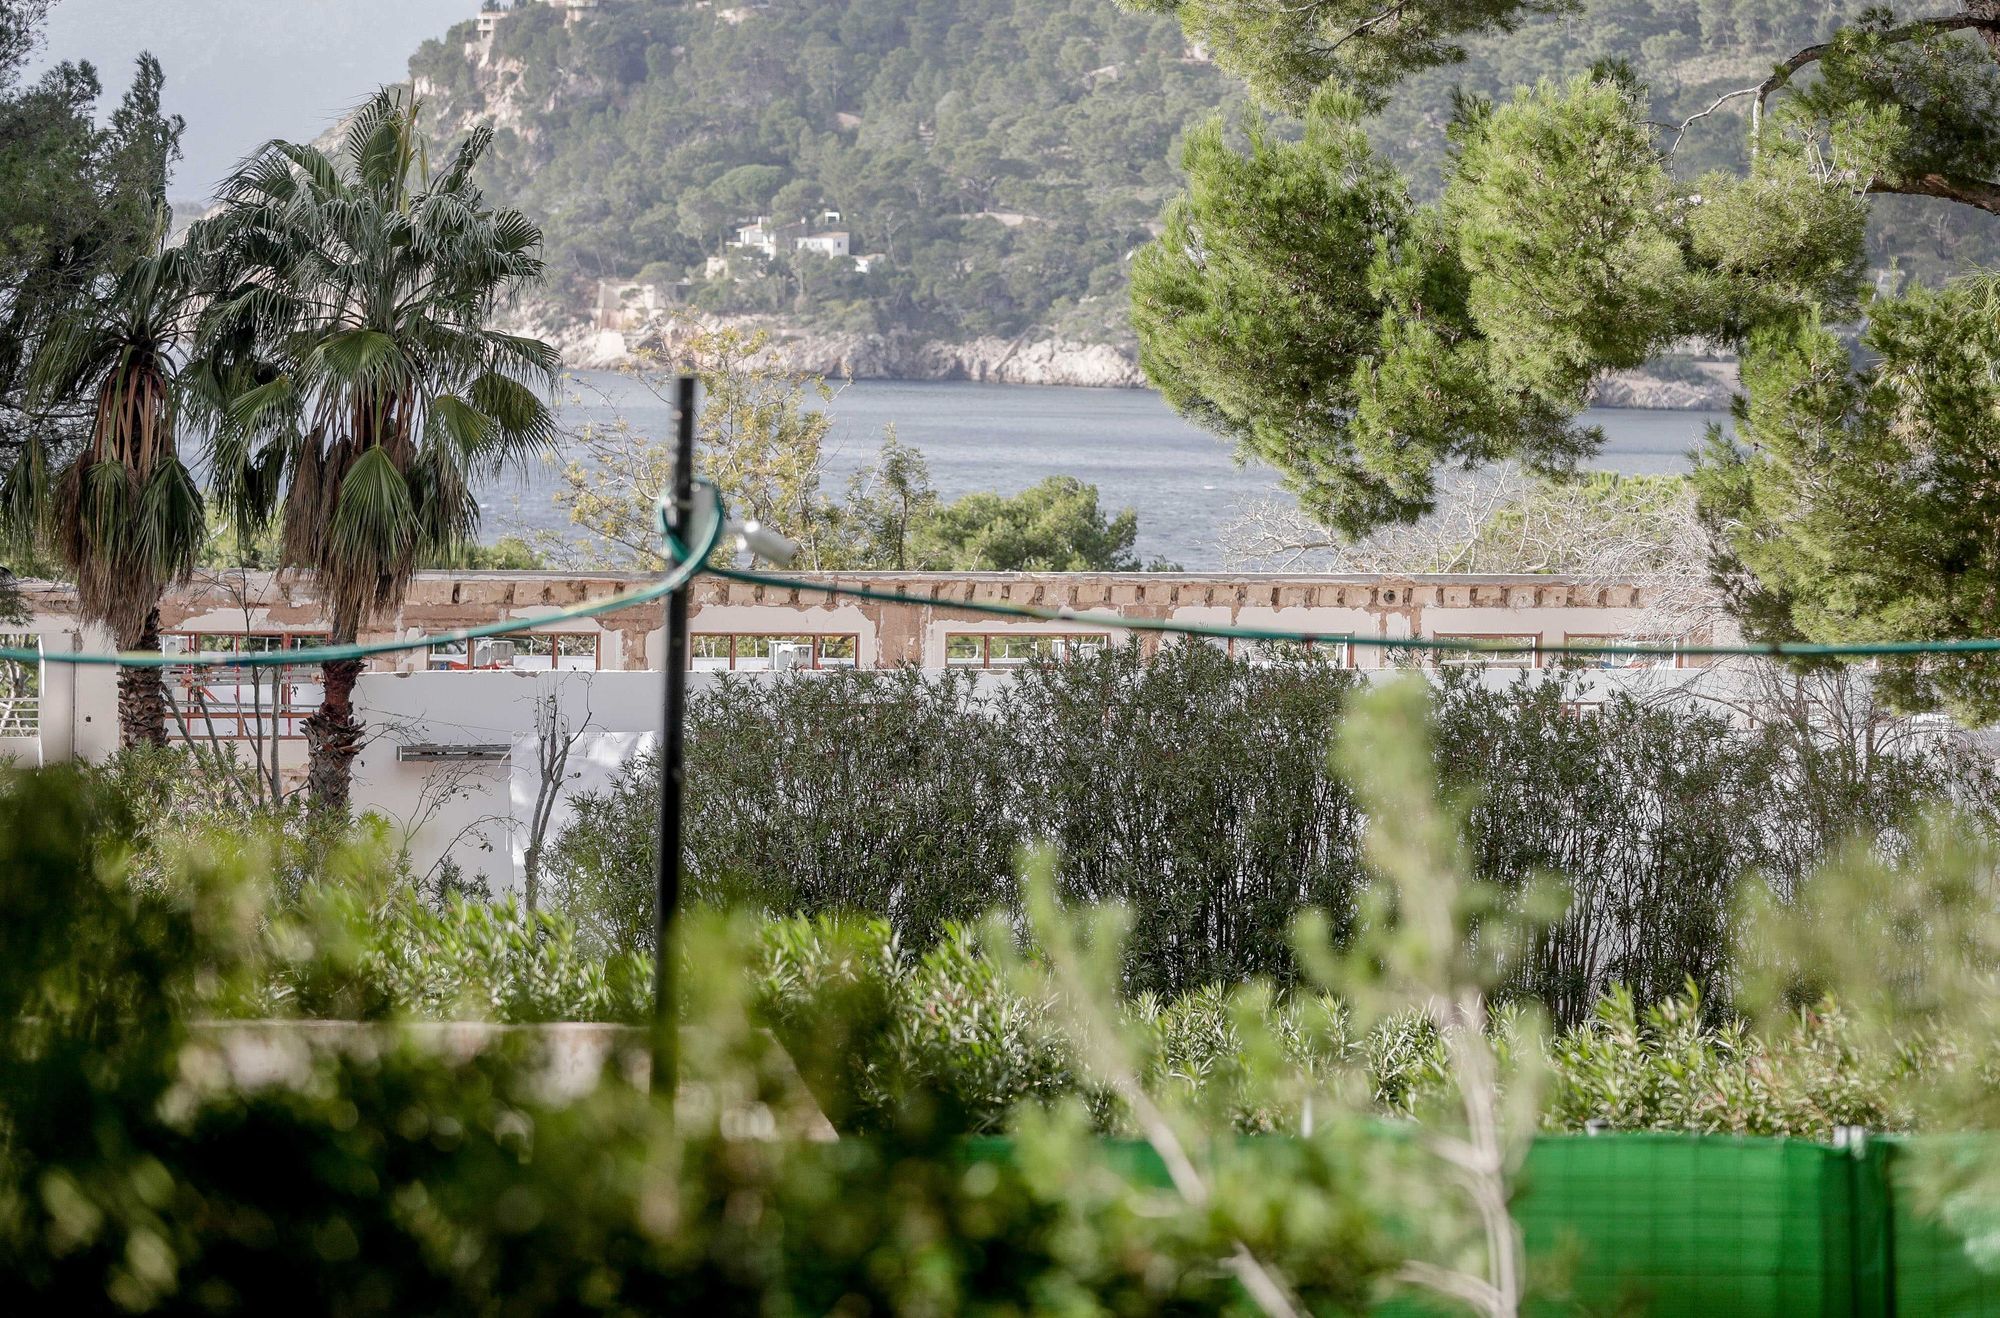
(1694, 387)
(1028, 359)
(898, 355)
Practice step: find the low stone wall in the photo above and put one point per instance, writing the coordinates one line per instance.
(574, 1059)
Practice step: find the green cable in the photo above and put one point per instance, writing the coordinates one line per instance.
(1221, 630)
(685, 569)
(689, 562)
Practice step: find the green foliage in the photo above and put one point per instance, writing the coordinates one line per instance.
(1912, 959)
(1562, 215)
(1194, 789)
(78, 230)
(510, 553)
(1302, 304)
(1054, 525)
(121, 511)
(139, 1174)
(893, 1040)
(915, 121)
(1669, 1068)
(1855, 506)
(1266, 271)
(1897, 104)
(1287, 52)
(354, 387)
(82, 202)
(905, 795)
(360, 289)
(888, 501)
(395, 956)
(896, 800)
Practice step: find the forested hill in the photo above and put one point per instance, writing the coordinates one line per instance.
(1002, 158)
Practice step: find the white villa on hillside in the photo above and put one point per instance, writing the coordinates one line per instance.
(574, 12)
(818, 234)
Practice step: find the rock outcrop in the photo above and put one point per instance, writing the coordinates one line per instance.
(1051, 359)
(898, 355)
(1706, 389)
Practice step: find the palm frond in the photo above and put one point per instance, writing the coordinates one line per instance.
(460, 428)
(523, 425)
(458, 170)
(543, 360)
(362, 358)
(24, 496)
(447, 512)
(172, 523)
(373, 519)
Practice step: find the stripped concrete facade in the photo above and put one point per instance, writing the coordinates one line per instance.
(1549, 609)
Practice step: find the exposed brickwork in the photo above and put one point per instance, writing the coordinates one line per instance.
(1550, 607)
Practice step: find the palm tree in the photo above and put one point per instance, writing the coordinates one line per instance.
(122, 513)
(363, 391)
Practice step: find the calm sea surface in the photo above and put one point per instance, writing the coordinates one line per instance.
(1181, 480)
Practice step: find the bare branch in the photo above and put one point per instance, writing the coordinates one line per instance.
(1915, 30)
(1689, 122)
(1977, 193)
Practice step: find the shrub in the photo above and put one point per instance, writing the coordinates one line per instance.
(1193, 787)
(136, 1176)
(1666, 1068)
(890, 1039)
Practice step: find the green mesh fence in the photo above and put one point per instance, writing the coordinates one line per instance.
(1930, 1272)
(1674, 1224)
(1710, 1226)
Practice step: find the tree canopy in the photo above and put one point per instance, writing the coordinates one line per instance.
(81, 202)
(1303, 302)
(1005, 157)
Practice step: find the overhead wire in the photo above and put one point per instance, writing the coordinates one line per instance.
(690, 558)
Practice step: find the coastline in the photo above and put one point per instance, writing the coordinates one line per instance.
(1050, 360)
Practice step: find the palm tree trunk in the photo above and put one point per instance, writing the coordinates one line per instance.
(142, 693)
(333, 739)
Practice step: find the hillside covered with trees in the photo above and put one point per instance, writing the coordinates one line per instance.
(1001, 159)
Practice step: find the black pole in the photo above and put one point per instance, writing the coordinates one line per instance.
(673, 767)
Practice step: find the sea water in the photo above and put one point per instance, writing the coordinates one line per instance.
(1183, 482)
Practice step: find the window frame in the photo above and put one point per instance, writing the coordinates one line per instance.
(819, 662)
(1606, 663)
(23, 717)
(555, 639)
(986, 663)
(231, 722)
(1486, 660)
(1246, 648)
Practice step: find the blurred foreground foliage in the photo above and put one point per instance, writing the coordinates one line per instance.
(148, 1164)
(140, 1171)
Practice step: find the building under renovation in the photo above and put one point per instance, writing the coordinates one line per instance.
(469, 711)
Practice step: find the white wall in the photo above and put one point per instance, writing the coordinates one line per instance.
(477, 812)
(468, 809)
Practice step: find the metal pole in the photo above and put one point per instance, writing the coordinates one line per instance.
(673, 767)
